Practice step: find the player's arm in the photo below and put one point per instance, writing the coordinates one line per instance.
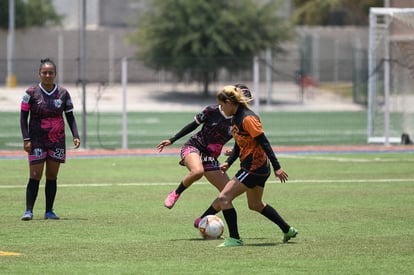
(184, 131)
(24, 127)
(253, 125)
(264, 142)
(70, 118)
(232, 158)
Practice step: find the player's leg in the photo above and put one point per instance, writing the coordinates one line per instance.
(219, 180)
(51, 173)
(254, 200)
(36, 164)
(232, 190)
(195, 167)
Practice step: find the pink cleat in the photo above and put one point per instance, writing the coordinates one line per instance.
(171, 199)
(197, 222)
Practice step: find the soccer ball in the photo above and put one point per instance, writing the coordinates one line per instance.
(211, 227)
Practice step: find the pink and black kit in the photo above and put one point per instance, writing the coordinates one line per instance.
(209, 141)
(46, 127)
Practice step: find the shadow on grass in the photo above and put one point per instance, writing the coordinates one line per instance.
(245, 244)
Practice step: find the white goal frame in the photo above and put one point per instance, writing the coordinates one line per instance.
(380, 20)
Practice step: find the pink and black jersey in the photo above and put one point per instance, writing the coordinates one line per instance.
(46, 124)
(216, 131)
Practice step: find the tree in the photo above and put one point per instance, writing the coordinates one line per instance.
(30, 13)
(198, 38)
(333, 12)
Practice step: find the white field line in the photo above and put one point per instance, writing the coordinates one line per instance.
(202, 183)
(339, 159)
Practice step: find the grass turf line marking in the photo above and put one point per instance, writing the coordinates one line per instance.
(8, 253)
(349, 159)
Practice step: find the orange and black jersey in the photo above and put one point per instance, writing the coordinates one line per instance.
(252, 146)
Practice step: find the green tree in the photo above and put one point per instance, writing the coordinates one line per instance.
(29, 13)
(197, 38)
(333, 12)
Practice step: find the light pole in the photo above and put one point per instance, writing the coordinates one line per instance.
(83, 72)
(11, 78)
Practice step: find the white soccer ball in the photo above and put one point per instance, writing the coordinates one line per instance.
(211, 227)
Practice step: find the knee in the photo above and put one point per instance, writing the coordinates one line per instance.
(197, 174)
(216, 204)
(35, 176)
(258, 207)
(51, 176)
(221, 199)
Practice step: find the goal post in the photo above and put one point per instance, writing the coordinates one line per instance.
(391, 75)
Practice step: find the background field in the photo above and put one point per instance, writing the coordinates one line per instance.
(354, 212)
(146, 129)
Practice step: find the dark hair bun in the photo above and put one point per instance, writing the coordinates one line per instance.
(45, 60)
(244, 89)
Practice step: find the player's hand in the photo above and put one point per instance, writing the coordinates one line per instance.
(228, 152)
(282, 175)
(76, 143)
(163, 144)
(224, 166)
(27, 146)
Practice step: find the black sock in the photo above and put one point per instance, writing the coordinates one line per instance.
(50, 193)
(209, 211)
(230, 216)
(180, 188)
(271, 213)
(31, 193)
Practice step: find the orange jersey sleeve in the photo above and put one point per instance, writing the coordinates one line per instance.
(253, 126)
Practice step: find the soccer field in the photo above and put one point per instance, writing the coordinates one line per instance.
(145, 130)
(354, 213)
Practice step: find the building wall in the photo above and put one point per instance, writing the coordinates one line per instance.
(331, 60)
(401, 3)
(64, 47)
(99, 13)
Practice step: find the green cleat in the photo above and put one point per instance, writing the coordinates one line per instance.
(290, 234)
(231, 242)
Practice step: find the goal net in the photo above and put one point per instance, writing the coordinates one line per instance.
(391, 75)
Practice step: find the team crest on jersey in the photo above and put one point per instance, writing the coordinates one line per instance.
(38, 152)
(201, 116)
(58, 103)
(26, 98)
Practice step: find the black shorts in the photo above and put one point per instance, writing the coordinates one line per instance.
(254, 178)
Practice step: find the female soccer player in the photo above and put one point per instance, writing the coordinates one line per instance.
(215, 206)
(199, 154)
(44, 135)
(254, 151)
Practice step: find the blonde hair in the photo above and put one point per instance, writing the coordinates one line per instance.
(235, 95)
